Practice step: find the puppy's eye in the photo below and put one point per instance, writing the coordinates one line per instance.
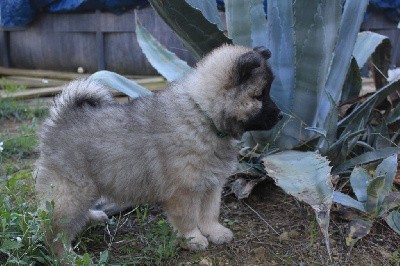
(259, 97)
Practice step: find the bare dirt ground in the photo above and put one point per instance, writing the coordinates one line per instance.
(271, 228)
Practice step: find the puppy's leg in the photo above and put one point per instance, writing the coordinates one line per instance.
(71, 208)
(208, 218)
(182, 211)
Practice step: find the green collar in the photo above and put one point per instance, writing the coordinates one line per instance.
(219, 133)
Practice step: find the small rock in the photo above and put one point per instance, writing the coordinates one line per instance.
(386, 254)
(80, 70)
(260, 254)
(284, 236)
(294, 234)
(205, 262)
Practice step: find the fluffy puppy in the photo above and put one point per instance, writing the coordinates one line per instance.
(175, 147)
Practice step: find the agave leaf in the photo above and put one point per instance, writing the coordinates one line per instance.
(353, 83)
(281, 42)
(392, 200)
(366, 158)
(197, 33)
(374, 189)
(242, 188)
(352, 17)
(382, 137)
(357, 124)
(359, 119)
(258, 23)
(337, 152)
(381, 60)
(119, 83)
(238, 21)
(250, 169)
(312, 27)
(315, 39)
(351, 142)
(347, 201)
(246, 22)
(393, 220)
(210, 11)
(357, 229)
(319, 131)
(306, 176)
(394, 116)
(386, 169)
(359, 180)
(365, 46)
(364, 109)
(331, 129)
(165, 62)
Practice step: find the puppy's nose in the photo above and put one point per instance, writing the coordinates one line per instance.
(280, 116)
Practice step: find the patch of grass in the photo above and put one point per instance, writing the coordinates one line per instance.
(21, 144)
(20, 236)
(9, 87)
(163, 243)
(14, 109)
(158, 238)
(21, 240)
(151, 241)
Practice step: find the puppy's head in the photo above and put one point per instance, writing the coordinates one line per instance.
(233, 85)
(248, 105)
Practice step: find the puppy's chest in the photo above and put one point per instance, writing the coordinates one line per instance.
(206, 168)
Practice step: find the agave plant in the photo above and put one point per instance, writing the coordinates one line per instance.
(312, 47)
(375, 199)
(316, 57)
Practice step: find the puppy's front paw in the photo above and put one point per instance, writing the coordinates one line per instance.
(196, 241)
(218, 234)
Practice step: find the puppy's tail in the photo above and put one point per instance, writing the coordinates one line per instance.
(80, 93)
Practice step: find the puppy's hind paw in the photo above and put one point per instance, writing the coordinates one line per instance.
(98, 216)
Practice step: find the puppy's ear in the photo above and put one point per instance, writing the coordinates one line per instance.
(263, 51)
(245, 65)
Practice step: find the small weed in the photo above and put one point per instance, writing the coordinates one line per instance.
(313, 231)
(395, 258)
(141, 215)
(229, 222)
(163, 243)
